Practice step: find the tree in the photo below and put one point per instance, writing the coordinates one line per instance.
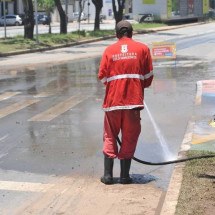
(98, 6)
(28, 19)
(118, 14)
(49, 6)
(63, 17)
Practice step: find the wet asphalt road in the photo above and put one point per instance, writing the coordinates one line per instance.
(51, 117)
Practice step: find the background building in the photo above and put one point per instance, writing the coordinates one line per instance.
(10, 6)
(167, 9)
(161, 9)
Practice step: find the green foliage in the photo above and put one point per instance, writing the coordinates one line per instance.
(50, 40)
(101, 33)
(48, 5)
(16, 44)
(142, 26)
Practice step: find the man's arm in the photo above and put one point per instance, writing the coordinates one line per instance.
(148, 70)
(102, 75)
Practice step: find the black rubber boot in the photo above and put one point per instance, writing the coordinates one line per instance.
(108, 171)
(125, 165)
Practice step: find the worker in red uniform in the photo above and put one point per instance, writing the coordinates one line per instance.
(125, 69)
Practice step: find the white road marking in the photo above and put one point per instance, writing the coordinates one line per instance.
(43, 94)
(8, 95)
(4, 137)
(16, 107)
(59, 109)
(3, 155)
(24, 186)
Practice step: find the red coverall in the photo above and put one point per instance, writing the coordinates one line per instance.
(125, 69)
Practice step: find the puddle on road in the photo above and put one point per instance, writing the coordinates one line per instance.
(56, 79)
(72, 142)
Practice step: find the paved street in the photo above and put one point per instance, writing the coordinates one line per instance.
(51, 127)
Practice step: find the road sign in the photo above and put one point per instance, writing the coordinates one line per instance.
(163, 50)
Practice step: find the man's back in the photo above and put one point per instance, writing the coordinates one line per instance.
(123, 68)
(127, 57)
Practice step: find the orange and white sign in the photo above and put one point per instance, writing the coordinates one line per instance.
(204, 87)
(208, 86)
(163, 50)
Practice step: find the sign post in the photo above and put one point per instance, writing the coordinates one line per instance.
(36, 13)
(66, 11)
(4, 12)
(5, 29)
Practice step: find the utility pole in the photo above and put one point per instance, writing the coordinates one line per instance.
(36, 14)
(5, 30)
(66, 11)
(88, 13)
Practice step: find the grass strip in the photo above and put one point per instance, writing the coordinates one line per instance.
(197, 194)
(19, 43)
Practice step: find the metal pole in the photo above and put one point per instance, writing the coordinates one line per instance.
(36, 13)
(66, 10)
(5, 30)
(88, 4)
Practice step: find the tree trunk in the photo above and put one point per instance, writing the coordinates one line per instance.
(28, 19)
(50, 27)
(63, 18)
(118, 14)
(98, 6)
(97, 19)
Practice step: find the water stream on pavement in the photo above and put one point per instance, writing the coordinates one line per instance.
(167, 154)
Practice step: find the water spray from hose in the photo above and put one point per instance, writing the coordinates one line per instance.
(164, 146)
(166, 151)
